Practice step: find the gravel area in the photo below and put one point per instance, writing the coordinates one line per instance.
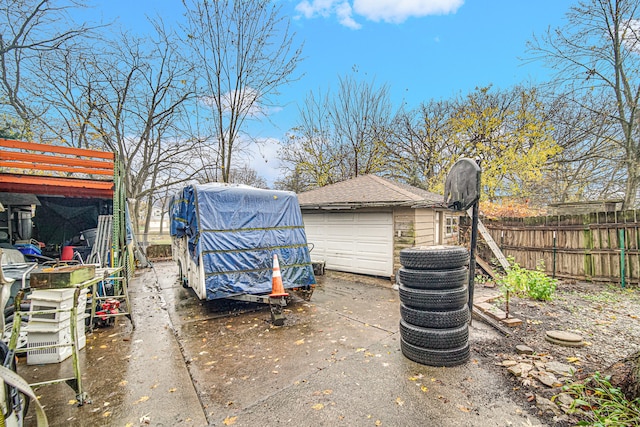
(607, 317)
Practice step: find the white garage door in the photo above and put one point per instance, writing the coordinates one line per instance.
(352, 242)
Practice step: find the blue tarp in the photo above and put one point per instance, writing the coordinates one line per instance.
(238, 229)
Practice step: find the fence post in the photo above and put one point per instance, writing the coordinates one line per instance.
(554, 254)
(588, 256)
(622, 260)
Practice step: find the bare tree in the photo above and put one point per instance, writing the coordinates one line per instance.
(29, 30)
(130, 99)
(418, 148)
(598, 51)
(312, 152)
(243, 51)
(68, 91)
(340, 135)
(247, 176)
(360, 113)
(587, 167)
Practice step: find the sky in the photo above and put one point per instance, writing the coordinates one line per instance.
(422, 49)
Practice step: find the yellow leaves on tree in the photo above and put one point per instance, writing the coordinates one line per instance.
(508, 133)
(509, 209)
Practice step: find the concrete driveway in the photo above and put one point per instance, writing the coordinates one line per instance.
(337, 361)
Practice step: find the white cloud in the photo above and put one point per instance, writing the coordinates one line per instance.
(247, 100)
(316, 7)
(397, 11)
(344, 12)
(393, 11)
(325, 8)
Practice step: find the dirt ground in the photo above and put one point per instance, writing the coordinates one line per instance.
(607, 317)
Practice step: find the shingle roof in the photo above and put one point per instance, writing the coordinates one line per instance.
(369, 190)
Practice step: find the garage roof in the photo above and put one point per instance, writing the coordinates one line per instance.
(368, 191)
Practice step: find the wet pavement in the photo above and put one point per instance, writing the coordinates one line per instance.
(336, 361)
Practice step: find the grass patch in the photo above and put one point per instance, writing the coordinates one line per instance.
(601, 404)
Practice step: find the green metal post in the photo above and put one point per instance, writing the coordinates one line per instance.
(622, 260)
(554, 254)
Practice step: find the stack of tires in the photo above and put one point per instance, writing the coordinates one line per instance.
(434, 328)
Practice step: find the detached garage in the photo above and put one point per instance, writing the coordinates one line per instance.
(360, 225)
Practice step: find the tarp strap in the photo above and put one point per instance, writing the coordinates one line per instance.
(224, 251)
(253, 270)
(287, 227)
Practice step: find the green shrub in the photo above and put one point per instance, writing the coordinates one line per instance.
(521, 282)
(602, 404)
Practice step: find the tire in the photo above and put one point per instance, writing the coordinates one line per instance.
(435, 319)
(10, 309)
(9, 319)
(436, 339)
(22, 337)
(433, 357)
(434, 300)
(433, 279)
(434, 257)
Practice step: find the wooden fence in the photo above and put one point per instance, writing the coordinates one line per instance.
(599, 247)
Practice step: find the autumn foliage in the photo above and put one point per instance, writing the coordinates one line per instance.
(509, 209)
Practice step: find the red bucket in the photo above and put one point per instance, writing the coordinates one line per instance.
(67, 253)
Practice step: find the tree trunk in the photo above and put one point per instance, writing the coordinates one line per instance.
(625, 375)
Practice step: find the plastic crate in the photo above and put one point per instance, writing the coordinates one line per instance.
(56, 299)
(28, 249)
(42, 356)
(82, 342)
(49, 327)
(59, 294)
(43, 333)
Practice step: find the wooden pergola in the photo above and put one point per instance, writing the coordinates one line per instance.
(30, 167)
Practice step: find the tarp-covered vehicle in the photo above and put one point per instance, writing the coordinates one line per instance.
(224, 237)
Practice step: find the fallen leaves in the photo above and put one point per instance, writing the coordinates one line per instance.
(142, 399)
(229, 421)
(317, 406)
(574, 360)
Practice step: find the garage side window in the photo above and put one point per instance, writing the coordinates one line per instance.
(451, 226)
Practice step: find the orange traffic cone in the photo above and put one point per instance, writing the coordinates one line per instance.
(277, 288)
